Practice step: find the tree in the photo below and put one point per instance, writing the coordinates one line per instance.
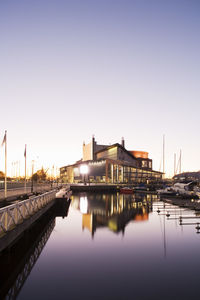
(2, 175)
(40, 175)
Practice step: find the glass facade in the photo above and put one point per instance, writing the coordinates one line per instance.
(111, 172)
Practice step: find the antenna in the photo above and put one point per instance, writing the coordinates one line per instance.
(123, 142)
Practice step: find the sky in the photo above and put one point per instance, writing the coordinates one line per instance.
(112, 68)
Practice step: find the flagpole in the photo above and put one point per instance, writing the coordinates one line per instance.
(5, 188)
(25, 169)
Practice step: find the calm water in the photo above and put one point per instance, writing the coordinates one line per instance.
(107, 247)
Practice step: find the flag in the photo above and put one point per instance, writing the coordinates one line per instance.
(25, 151)
(4, 140)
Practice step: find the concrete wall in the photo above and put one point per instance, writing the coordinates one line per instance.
(87, 152)
(90, 149)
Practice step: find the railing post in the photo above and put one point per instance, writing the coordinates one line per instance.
(6, 220)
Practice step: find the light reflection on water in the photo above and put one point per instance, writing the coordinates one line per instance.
(117, 247)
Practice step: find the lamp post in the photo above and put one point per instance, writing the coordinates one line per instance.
(84, 172)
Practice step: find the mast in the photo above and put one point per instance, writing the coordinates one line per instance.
(174, 164)
(180, 161)
(163, 154)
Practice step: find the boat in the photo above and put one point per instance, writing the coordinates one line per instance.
(168, 191)
(197, 191)
(64, 193)
(188, 190)
(140, 189)
(185, 189)
(126, 190)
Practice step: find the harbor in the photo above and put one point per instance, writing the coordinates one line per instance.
(137, 228)
(18, 214)
(99, 150)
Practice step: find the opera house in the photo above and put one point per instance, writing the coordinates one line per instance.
(110, 164)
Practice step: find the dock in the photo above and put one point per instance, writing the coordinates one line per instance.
(103, 188)
(16, 218)
(193, 204)
(98, 188)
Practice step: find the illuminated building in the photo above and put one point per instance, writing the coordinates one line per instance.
(111, 164)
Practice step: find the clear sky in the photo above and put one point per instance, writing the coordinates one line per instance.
(113, 68)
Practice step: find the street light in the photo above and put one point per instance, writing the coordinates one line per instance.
(84, 171)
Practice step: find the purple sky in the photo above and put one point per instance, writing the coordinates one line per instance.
(70, 69)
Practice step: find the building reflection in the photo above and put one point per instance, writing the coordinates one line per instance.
(113, 211)
(17, 261)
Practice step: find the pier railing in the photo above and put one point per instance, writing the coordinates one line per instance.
(15, 214)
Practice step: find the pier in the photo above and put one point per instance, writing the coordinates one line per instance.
(106, 188)
(193, 204)
(16, 218)
(98, 188)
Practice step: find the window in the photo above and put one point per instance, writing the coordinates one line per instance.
(144, 164)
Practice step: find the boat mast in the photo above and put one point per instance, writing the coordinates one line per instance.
(174, 164)
(163, 154)
(180, 162)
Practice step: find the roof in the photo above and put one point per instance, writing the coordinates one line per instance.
(117, 145)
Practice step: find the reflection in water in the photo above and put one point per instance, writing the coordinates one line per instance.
(83, 205)
(137, 266)
(114, 211)
(17, 262)
(182, 216)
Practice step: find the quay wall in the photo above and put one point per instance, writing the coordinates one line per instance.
(94, 188)
(101, 188)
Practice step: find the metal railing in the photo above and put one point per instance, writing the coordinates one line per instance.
(15, 214)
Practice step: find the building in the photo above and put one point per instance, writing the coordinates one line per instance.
(110, 164)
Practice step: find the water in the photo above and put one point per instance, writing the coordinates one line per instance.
(107, 247)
